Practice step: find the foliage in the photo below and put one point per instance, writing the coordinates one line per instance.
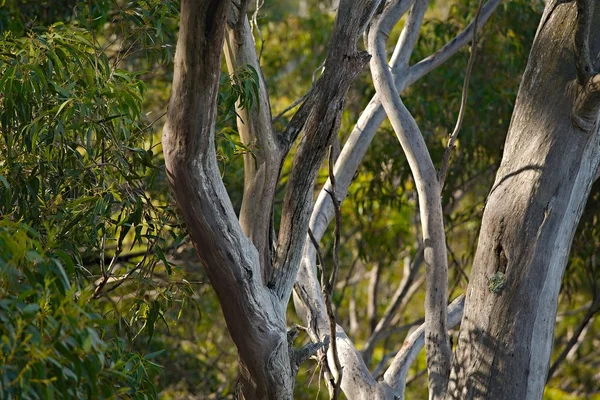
(95, 270)
(52, 338)
(76, 165)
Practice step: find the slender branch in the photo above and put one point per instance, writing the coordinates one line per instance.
(463, 102)
(292, 106)
(311, 308)
(259, 4)
(333, 278)
(436, 59)
(395, 376)
(372, 117)
(373, 295)
(303, 97)
(262, 165)
(327, 290)
(319, 119)
(409, 35)
(589, 315)
(410, 273)
(425, 177)
(344, 284)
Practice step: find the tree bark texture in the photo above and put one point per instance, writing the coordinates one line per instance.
(437, 344)
(262, 166)
(531, 214)
(253, 290)
(253, 315)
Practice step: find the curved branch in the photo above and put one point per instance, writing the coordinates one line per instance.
(261, 167)
(311, 310)
(372, 117)
(395, 376)
(425, 177)
(433, 61)
(254, 317)
(463, 103)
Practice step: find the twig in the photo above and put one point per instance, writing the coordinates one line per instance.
(325, 369)
(304, 96)
(291, 106)
(106, 278)
(591, 312)
(463, 102)
(327, 286)
(254, 24)
(320, 263)
(333, 277)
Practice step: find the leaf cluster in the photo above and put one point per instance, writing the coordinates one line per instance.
(51, 338)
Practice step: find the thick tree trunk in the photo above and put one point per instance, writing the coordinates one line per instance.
(549, 163)
(254, 316)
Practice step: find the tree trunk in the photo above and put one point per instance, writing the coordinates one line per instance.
(550, 159)
(254, 316)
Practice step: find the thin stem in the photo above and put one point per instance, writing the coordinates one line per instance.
(463, 102)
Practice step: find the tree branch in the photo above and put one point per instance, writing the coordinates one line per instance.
(253, 315)
(308, 299)
(400, 294)
(261, 167)
(425, 176)
(360, 138)
(418, 70)
(591, 312)
(463, 103)
(395, 376)
(319, 119)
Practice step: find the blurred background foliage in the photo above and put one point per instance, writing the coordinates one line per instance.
(101, 295)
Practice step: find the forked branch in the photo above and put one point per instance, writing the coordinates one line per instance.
(261, 167)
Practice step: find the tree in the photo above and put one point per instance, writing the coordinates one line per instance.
(549, 163)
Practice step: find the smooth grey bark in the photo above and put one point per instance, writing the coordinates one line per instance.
(437, 344)
(529, 229)
(231, 261)
(236, 256)
(395, 376)
(549, 163)
(262, 166)
(373, 116)
(308, 299)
